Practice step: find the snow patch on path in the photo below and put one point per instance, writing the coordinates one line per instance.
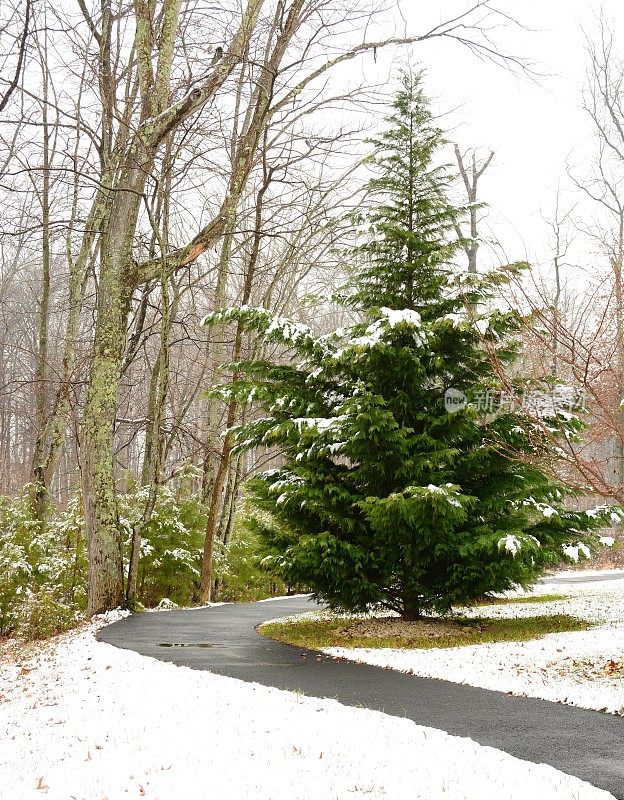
(284, 597)
(84, 719)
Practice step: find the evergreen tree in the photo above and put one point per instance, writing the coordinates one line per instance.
(386, 497)
(411, 228)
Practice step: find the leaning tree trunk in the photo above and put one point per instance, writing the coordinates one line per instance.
(216, 357)
(151, 474)
(220, 476)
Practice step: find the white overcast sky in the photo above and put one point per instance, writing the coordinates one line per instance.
(534, 127)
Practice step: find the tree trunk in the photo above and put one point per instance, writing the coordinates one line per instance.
(220, 476)
(116, 285)
(39, 497)
(618, 444)
(471, 177)
(52, 426)
(411, 610)
(151, 474)
(100, 500)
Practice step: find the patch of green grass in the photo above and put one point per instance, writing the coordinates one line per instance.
(317, 634)
(535, 598)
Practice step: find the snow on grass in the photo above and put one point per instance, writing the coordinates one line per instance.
(576, 668)
(89, 721)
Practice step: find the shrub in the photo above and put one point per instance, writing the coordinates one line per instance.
(43, 569)
(171, 544)
(41, 616)
(239, 570)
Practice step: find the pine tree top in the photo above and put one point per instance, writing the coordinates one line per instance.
(410, 232)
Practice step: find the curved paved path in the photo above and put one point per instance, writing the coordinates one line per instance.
(600, 577)
(587, 744)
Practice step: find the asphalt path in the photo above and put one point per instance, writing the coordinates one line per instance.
(223, 639)
(607, 575)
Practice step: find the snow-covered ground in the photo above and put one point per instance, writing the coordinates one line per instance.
(81, 719)
(584, 668)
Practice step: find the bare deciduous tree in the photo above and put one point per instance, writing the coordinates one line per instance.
(471, 170)
(15, 24)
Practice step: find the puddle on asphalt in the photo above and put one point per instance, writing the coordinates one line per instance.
(185, 644)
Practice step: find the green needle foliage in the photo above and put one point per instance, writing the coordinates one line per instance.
(385, 498)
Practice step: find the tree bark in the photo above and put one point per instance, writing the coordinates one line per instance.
(39, 497)
(151, 474)
(218, 484)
